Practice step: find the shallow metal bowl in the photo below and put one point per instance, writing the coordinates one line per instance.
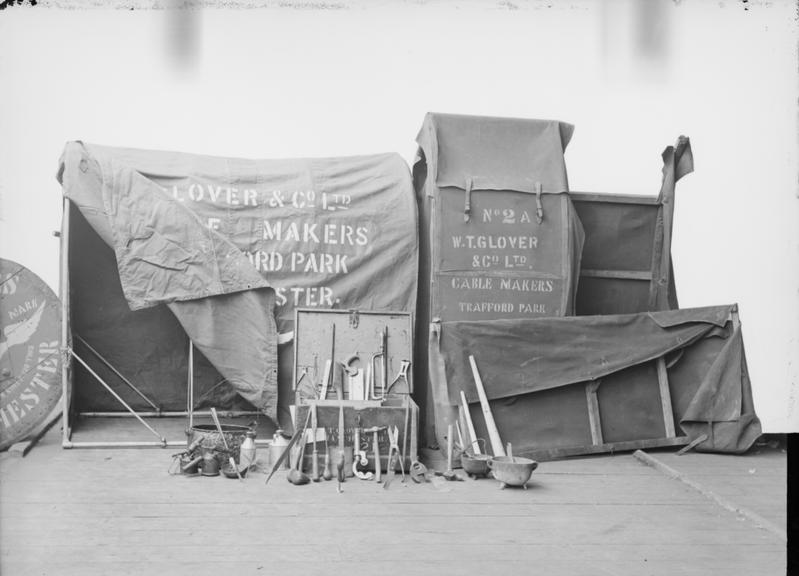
(512, 471)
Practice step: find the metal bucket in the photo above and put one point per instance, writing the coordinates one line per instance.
(475, 465)
(234, 435)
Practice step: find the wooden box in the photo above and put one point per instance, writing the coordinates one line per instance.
(327, 339)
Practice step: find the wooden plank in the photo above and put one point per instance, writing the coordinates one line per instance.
(665, 397)
(650, 460)
(618, 274)
(20, 449)
(555, 453)
(493, 433)
(694, 443)
(594, 420)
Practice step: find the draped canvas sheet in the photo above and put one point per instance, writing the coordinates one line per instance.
(709, 383)
(166, 256)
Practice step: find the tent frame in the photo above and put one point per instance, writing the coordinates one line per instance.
(68, 354)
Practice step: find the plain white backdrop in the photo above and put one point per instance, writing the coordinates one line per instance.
(299, 79)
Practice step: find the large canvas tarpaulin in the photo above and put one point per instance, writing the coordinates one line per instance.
(541, 360)
(499, 235)
(207, 235)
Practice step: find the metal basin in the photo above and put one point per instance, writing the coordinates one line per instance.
(475, 464)
(512, 471)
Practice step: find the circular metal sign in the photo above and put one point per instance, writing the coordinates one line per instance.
(30, 360)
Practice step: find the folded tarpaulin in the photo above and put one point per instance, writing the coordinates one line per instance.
(503, 239)
(517, 357)
(495, 153)
(166, 254)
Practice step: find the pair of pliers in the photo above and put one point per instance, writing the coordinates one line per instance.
(393, 455)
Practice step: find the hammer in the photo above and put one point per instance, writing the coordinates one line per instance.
(375, 430)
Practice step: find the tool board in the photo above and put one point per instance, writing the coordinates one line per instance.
(321, 335)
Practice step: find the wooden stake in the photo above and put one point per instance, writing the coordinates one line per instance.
(493, 433)
(470, 426)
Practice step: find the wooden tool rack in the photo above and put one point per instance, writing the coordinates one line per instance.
(326, 340)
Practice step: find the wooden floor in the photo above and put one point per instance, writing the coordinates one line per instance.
(108, 512)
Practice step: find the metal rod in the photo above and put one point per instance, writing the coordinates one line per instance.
(165, 414)
(117, 396)
(129, 444)
(190, 385)
(135, 444)
(64, 290)
(117, 372)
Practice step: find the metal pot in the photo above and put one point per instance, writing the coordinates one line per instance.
(512, 471)
(475, 464)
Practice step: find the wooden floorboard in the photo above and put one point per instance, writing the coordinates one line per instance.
(756, 481)
(92, 512)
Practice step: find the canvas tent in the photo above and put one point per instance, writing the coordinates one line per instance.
(164, 247)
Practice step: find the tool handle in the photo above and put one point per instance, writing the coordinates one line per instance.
(355, 450)
(192, 463)
(315, 461)
(449, 447)
(493, 433)
(327, 474)
(378, 466)
(325, 380)
(470, 425)
(287, 449)
(389, 470)
(219, 427)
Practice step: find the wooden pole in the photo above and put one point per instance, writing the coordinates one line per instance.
(66, 359)
(190, 386)
(493, 433)
(470, 426)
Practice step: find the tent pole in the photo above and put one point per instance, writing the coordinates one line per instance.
(131, 444)
(115, 371)
(117, 396)
(168, 414)
(64, 289)
(190, 386)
